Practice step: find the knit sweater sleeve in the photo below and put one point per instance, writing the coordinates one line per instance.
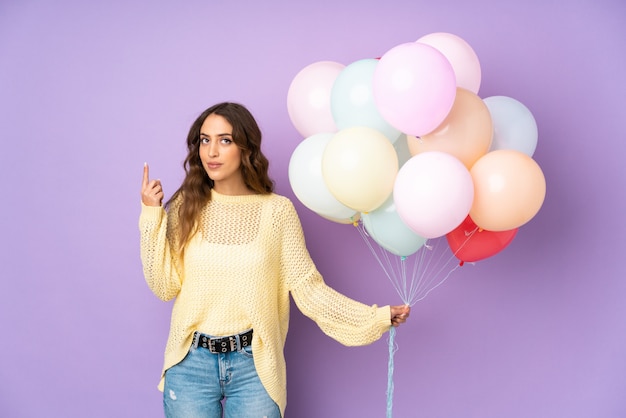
(159, 266)
(348, 321)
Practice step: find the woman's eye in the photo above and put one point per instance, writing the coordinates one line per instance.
(223, 140)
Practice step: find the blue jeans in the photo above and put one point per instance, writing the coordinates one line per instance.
(196, 387)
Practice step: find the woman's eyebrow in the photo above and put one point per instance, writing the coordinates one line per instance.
(224, 134)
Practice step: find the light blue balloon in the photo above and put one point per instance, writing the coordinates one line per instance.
(390, 232)
(514, 126)
(352, 99)
(402, 150)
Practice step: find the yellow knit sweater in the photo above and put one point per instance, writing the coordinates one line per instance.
(250, 254)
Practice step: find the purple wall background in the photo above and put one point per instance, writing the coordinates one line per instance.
(90, 92)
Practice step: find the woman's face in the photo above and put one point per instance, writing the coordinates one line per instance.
(220, 156)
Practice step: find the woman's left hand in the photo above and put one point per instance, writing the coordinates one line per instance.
(399, 314)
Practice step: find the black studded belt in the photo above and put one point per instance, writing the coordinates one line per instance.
(222, 344)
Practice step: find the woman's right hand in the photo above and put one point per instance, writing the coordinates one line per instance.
(399, 314)
(151, 190)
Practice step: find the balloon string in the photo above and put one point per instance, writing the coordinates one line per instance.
(384, 261)
(436, 276)
(430, 266)
(413, 287)
(427, 290)
(423, 286)
(392, 350)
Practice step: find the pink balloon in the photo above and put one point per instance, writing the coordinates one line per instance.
(461, 55)
(433, 193)
(308, 98)
(414, 87)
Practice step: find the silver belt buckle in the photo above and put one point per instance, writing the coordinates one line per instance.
(222, 345)
(213, 345)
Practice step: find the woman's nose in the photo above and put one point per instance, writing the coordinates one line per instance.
(213, 150)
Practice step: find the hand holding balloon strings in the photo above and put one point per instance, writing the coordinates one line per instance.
(399, 314)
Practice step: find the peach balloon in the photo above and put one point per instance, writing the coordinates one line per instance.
(465, 133)
(509, 189)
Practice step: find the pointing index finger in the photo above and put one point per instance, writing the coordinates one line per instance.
(145, 175)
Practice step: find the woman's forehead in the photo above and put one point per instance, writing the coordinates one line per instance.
(216, 124)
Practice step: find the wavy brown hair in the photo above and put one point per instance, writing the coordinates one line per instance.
(195, 191)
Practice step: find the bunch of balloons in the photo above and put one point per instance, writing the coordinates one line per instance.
(404, 144)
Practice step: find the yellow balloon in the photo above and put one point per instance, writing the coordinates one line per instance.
(353, 220)
(359, 167)
(465, 133)
(509, 190)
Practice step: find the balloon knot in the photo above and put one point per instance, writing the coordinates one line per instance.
(403, 258)
(480, 230)
(461, 263)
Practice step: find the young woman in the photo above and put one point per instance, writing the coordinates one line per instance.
(231, 252)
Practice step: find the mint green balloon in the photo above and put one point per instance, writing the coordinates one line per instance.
(386, 227)
(352, 100)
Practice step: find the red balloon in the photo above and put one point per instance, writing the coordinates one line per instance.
(470, 243)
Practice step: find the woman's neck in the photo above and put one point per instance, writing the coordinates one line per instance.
(238, 189)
